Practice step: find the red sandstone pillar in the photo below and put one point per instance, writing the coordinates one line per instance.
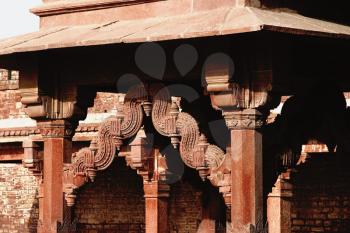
(246, 172)
(156, 203)
(57, 150)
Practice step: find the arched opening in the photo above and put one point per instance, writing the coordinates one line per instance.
(114, 203)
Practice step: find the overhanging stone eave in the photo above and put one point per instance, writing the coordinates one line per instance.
(218, 22)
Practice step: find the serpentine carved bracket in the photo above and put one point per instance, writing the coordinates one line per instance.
(167, 119)
(184, 132)
(87, 161)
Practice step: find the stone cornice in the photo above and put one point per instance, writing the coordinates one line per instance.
(65, 6)
(26, 131)
(56, 129)
(20, 131)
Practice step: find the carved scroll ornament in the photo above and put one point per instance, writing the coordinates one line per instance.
(183, 130)
(125, 124)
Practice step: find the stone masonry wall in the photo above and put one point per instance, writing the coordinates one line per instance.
(18, 202)
(321, 201)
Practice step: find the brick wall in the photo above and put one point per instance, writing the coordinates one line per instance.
(321, 195)
(185, 212)
(114, 203)
(8, 79)
(18, 203)
(10, 99)
(10, 105)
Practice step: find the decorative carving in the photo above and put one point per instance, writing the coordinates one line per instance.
(245, 119)
(87, 161)
(56, 128)
(221, 177)
(20, 131)
(169, 121)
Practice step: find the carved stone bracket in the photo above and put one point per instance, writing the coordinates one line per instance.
(183, 129)
(102, 151)
(221, 177)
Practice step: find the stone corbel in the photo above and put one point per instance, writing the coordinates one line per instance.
(33, 156)
(33, 101)
(53, 100)
(244, 102)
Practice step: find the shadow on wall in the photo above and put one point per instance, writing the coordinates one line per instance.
(321, 194)
(34, 215)
(316, 113)
(113, 203)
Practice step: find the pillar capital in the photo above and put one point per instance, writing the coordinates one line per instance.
(244, 119)
(56, 129)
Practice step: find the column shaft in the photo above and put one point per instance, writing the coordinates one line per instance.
(246, 197)
(156, 203)
(57, 150)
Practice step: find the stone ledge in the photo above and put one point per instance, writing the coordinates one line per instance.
(66, 6)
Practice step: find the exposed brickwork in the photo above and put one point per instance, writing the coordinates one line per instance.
(185, 212)
(321, 201)
(10, 99)
(18, 202)
(114, 203)
(10, 104)
(8, 80)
